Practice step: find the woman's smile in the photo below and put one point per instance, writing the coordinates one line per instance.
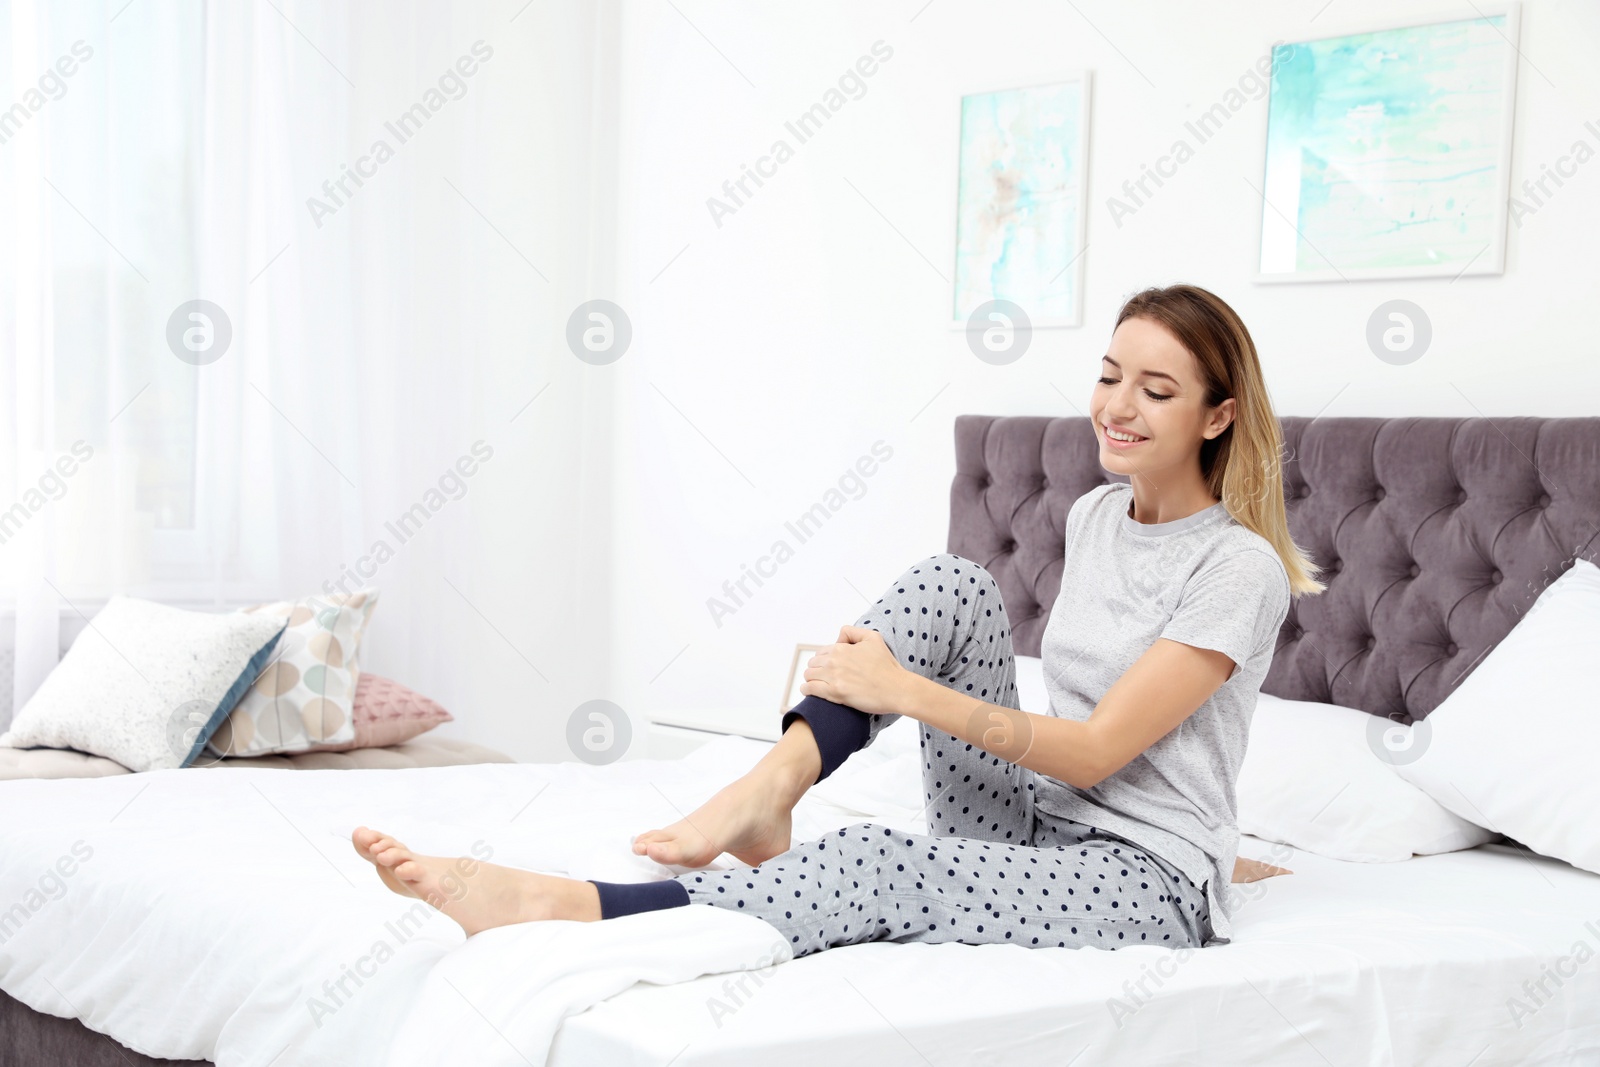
(1126, 440)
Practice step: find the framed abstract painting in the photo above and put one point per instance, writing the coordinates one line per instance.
(1021, 187)
(1388, 152)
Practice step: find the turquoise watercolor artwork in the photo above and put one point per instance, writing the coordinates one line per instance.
(1020, 201)
(1387, 152)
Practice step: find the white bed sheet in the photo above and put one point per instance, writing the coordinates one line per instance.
(193, 915)
(226, 901)
(1487, 956)
(1413, 963)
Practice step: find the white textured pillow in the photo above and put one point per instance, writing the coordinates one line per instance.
(145, 684)
(304, 697)
(1513, 748)
(1312, 778)
(1031, 692)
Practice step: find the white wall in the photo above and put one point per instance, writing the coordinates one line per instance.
(776, 348)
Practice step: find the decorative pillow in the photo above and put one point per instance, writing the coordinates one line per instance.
(387, 713)
(304, 697)
(1512, 749)
(1313, 777)
(146, 684)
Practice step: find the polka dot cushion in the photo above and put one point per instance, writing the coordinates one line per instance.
(387, 713)
(305, 697)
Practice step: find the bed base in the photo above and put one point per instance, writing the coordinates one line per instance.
(30, 1038)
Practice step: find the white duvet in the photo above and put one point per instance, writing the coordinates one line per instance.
(225, 916)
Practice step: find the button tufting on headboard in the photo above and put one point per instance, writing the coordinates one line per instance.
(1334, 468)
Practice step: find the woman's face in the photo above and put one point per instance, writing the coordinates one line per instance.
(1150, 387)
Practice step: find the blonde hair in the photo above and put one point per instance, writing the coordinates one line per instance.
(1243, 465)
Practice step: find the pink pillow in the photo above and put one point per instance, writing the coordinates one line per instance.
(387, 713)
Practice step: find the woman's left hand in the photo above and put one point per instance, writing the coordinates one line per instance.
(858, 671)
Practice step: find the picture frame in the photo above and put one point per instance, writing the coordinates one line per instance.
(791, 687)
(1364, 193)
(1050, 248)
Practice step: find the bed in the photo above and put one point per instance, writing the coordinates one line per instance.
(216, 909)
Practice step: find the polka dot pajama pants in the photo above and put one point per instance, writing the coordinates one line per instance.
(992, 869)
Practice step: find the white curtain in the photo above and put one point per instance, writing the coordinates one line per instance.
(174, 163)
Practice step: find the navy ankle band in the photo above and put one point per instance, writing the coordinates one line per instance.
(838, 728)
(627, 898)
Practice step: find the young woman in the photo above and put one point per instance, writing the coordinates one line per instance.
(1107, 821)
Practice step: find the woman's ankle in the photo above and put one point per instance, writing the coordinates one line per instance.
(793, 765)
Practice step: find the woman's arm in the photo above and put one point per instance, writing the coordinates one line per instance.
(1164, 686)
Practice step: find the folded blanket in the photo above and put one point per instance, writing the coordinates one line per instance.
(500, 998)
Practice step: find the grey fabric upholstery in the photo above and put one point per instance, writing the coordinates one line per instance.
(1436, 535)
(30, 1038)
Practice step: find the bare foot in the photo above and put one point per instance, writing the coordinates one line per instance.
(748, 819)
(363, 839)
(751, 818)
(479, 896)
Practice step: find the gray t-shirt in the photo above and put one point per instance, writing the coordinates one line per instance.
(1204, 580)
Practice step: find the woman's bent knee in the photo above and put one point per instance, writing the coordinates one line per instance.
(948, 563)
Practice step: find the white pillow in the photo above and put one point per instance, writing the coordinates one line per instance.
(1031, 693)
(1513, 747)
(1301, 756)
(1312, 777)
(146, 684)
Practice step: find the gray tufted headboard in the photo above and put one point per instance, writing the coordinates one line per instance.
(1436, 535)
